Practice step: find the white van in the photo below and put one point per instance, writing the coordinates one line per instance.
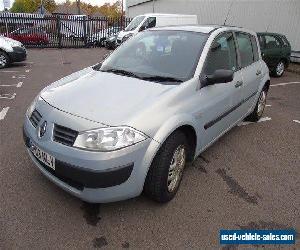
(146, 21)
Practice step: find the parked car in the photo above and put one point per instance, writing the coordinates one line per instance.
(131, 123)
(30, 36)
(276, 52)
(11, 51)
(110, 42)
(99, 38)
(143, 22)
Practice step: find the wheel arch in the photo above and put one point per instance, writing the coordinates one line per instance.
(185, 123)
(267, 85)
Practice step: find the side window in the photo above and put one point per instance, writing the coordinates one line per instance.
(222, 54)
(245, 49)
(255, 48)
(149, 23)
(272, 42)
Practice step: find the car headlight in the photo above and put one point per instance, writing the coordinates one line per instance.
(108, 139)
(12, 43)
(32, 107)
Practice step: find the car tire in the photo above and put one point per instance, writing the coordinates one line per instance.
(259, 107)
(166, 171)
(4, 59)
(279, 69)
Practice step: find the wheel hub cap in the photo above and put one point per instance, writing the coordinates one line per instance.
(280, 68)
(176, 168)
(261, 103)
(2, 60)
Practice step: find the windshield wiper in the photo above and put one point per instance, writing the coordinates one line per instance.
(161, 79)
(121, 72)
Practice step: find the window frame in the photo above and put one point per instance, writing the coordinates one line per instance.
(235, 49)
(254, 42)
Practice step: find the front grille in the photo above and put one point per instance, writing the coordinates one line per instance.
(35, 118)
(64, 135)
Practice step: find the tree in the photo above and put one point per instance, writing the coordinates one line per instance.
(30, 6)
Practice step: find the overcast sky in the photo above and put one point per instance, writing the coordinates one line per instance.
(94, 2)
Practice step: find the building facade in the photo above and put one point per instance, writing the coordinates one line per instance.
(281, 16)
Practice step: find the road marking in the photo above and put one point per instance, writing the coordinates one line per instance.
(296, 121)
(264, 119)
(18, 85)
(27, 70)
(3, 113)
(268, 105)
(8, 96)
(283, 84)
(9, 71)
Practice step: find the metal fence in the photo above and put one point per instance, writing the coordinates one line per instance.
(59, 31)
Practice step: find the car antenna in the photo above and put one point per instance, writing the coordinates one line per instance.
(228, 12)
(267, 27)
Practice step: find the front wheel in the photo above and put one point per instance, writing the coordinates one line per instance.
(166, 171)
(259, 108)
(4, 60)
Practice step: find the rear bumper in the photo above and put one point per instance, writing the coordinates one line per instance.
(18, 54)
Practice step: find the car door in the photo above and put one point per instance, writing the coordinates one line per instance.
(250, 68)
(272, 51)
(220, 100)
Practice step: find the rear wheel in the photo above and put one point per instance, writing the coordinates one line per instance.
(166, 171)
(259, 108)
(4, 60)
(279, 69)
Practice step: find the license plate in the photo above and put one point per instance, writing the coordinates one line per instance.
(42, 156)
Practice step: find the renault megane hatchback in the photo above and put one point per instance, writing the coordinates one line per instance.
(131, 123)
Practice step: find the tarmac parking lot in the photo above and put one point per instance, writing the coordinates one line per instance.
(249, 179)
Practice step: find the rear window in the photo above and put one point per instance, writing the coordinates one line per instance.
(245, 48)
(285, 42)
(255, 48)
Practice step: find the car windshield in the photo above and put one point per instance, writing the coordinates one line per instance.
(159, 56)
(135, 23)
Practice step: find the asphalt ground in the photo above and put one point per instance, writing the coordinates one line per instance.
(249, 179)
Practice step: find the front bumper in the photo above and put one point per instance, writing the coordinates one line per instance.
(18, 54)
(91, 176)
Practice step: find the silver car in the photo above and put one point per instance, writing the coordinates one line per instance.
(131, 123)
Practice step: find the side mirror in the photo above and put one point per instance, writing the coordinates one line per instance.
(219, 76)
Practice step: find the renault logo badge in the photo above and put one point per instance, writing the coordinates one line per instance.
(42, 129)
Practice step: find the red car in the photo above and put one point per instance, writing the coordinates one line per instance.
(29, 36)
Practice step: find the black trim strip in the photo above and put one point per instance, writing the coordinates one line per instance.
(219, 118)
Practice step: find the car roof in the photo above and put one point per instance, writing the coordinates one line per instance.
(194, 28)
(269, 33)
(165, 14)
(202, 28)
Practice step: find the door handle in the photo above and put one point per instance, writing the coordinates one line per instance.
(258, 72)
(238, 84)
